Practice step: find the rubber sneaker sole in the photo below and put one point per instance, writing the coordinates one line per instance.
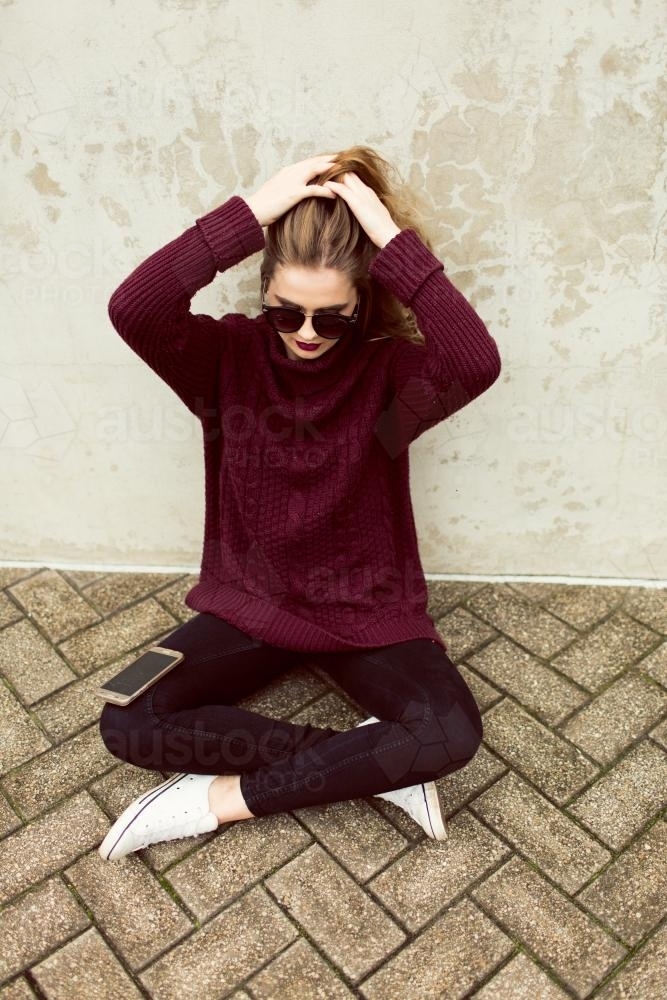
(434, 811)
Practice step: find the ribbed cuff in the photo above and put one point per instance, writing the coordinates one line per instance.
(231, 231)
(404, 264)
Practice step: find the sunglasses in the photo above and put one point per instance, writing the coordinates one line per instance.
(287, 319)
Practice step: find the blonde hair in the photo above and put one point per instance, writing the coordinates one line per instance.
(323, 232)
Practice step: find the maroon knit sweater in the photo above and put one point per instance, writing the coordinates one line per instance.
(309, 536)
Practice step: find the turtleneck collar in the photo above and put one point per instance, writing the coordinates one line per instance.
(312, 374)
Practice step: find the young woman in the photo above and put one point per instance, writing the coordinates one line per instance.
(310, 551)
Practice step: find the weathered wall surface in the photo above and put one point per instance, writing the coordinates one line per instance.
(535, 134)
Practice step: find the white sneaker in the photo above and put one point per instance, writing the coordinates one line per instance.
(176, 808)
(421, 802)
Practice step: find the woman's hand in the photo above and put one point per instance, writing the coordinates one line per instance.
(363, 202)
(289, 186)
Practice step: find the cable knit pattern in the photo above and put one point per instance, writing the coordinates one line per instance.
(309, 535)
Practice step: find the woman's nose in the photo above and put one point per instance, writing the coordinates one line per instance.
(307, 332)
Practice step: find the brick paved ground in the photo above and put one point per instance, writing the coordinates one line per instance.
(552, 883)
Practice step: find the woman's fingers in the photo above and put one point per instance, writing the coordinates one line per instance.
(364, 203)
(289, 186)
(315, 165)
(349, 181)
(338, 187)
(341, 190)
(319, 189)
(352, 180)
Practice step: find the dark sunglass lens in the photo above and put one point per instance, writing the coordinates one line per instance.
(330, 325)
(286, 320)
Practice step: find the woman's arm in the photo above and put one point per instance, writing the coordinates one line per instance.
(459, 359)
(151, 308)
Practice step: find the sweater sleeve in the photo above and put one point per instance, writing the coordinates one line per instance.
(151, 308)
(459, 359)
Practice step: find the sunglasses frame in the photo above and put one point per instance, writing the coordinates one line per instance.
(349, 321)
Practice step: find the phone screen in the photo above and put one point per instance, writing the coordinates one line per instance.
(139, 672)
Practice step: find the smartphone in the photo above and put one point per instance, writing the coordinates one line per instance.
(137, 676)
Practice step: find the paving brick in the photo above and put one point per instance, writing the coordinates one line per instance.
(224, 952)
(35, 924)
(355, 834)
(444, 595)
(20, 739)
(655, 664)
(84, 968)
(116, 789)
(629, 896)
(117, 635)
(29, 663)
(173, 597)
(53, 604)
(579, 605)
(485, 694)
(599, 657)
(8, 819)
(659, 734)
(460, 787)
(10, 574)
(298, 972)
(69, 710)
(309, 661)
(241, 854)
(117, 590)
(463, 633)
(625, 798)
(8, 610)
(520, 979)
(524, 622)
(542, 691)
(649, 605)
(542, 832)
(572, 944)
(643, 976)
(332, 711)
(617, 717)
(52, 776)
(338, 915)
(551, 763)
(81, 578)
(17, 990)
(51, 842)
(534, 591)
(421, 882)
(447, 959)
(285, 695)
(131, 907)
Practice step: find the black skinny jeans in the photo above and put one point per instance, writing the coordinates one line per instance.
(187, 721)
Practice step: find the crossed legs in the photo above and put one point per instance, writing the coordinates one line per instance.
(188, 721)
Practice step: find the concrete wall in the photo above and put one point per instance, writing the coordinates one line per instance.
(536, 134)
